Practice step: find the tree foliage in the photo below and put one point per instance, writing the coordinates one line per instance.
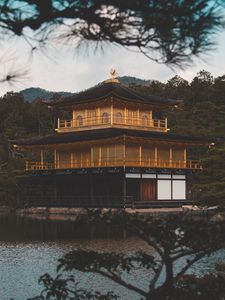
(60, 288)
(170, 32)
(201, 114)
(171, 239)
(18, 119)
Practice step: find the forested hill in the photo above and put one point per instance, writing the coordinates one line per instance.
(201, 114)
(34, 93)
(129, 80)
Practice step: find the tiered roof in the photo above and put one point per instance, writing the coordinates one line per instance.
(113, 88)
(101, 134)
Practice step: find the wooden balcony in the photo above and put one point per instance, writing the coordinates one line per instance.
(112, 120)
(113, 162)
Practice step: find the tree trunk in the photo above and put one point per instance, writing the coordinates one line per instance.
(169, 272)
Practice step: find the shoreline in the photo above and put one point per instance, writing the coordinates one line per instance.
(70, 214)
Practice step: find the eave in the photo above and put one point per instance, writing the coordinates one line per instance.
(110, 135)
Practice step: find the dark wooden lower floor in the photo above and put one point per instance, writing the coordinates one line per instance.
(107, 190)
(102, 203)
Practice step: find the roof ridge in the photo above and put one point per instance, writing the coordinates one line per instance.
(104, 89)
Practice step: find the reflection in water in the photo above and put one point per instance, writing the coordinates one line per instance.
(30, 248)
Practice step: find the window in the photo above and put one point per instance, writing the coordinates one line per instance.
(132, 117)
(91, 117)
(144, 120)
(105, 118)
(164, 189)
(91, 114)
(79, 120)
(179, 190)
(119, 117)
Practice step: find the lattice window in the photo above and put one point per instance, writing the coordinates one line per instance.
(132, 117)
(145, 120)
(80, 120)
(105, 118)
(119, 118)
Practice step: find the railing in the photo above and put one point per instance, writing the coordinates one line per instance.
(113, 162)
(110, 121)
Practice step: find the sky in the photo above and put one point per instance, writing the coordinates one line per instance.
(68, 70)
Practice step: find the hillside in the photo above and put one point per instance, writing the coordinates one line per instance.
(134, 80)
(33, 93)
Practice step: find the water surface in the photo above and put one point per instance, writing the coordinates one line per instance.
(30, 248)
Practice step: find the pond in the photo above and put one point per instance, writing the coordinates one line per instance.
(30, 248)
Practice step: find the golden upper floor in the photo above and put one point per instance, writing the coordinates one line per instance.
(111, 116)
(111, 104)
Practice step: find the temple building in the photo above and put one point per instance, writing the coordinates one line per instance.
(110, 149)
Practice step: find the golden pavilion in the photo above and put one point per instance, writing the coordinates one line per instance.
(110, 150)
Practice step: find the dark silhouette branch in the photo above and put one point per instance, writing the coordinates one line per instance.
(190, 263)
(119, 280)
(156, 277)
(165, 31)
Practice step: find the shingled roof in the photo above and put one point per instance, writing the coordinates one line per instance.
(112, 88)
(99, 134)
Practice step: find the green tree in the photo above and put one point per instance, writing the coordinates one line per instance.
(202, 113)
(170, 239)
(211, 182)
(18, 119)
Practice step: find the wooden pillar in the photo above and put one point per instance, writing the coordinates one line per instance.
(85, 118)
(185, 157)
(98, 116)
(140, 155)
(151, 123)
(124, 152)
(156, 155)
(150, 114)
(100, 155)
(81, 160)
(124, 191)
(166, 124)
(171, 156)
(92, 158)
(73, 124)
(71, 160)
(138, 122)
(55, 159)
(42, 158)
(125, 115)
(107, 155)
